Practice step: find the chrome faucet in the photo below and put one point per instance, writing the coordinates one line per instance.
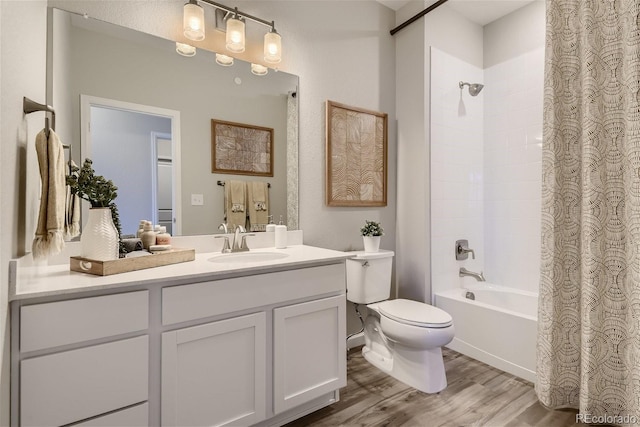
(224, 228)
(478, 276)
(240, 244)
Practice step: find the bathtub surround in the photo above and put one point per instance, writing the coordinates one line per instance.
(589, 303)
(485, 187)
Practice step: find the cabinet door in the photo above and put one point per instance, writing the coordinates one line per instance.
(214, 374)
(309, 351)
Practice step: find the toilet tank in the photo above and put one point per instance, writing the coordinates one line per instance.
(369, 276)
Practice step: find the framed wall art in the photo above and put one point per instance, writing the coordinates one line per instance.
(241, 149)
(356, 154)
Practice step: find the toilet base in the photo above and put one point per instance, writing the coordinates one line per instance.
(427, 375)
(422, 369)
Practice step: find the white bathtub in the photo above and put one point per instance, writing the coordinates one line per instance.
(499, 328)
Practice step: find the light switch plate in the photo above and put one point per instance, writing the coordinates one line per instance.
(197, 199)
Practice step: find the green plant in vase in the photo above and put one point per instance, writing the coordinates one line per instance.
(97, 190)
(371, 228)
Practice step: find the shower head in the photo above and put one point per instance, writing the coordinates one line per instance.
(474, 88)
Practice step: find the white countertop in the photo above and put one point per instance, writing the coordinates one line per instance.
(32, 281)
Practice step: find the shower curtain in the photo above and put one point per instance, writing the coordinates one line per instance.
(589, 307)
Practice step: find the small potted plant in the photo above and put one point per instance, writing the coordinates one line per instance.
(100, 239)
(371, 232)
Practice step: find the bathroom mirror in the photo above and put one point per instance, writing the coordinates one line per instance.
(156, 107)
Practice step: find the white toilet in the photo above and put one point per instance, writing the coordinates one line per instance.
(402, 337)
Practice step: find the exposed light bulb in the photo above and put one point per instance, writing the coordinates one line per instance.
(224, 60)
(185, 49)
(259, 69)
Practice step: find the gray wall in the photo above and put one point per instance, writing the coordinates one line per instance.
(22, 73)
(517, 33)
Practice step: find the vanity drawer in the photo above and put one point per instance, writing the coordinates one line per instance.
(200, 300)
(73, 321)
(75, 385)
(136, 416)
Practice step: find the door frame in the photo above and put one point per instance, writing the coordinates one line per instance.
(88, 101)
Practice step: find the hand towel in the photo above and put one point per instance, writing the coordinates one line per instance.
(258, 196)
(132, 244)
(49, 239)
(72, 214)
(235, 196)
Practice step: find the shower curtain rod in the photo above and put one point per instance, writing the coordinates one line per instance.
(417, 16)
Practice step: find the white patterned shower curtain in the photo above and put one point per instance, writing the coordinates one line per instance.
(589, 308)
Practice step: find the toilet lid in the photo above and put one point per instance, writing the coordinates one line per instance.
(415, 313)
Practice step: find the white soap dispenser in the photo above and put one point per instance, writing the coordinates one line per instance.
(271, 227)
(281, 235)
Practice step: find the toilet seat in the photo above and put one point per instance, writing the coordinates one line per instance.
(415, 313)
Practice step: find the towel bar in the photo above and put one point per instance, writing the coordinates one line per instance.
(221, 183)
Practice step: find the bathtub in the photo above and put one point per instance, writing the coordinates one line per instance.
(498, 328)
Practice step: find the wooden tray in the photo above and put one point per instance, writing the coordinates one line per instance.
(123, 265)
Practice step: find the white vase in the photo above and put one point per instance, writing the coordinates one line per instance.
(99, 240)
(371, 243)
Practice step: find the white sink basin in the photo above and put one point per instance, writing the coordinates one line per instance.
(247, 257)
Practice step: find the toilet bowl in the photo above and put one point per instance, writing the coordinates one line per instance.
(403, 338)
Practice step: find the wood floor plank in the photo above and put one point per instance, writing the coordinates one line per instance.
(476, 395)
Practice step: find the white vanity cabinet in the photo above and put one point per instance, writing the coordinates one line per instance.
(197, 344)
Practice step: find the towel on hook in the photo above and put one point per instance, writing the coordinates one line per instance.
(72, 206)
(49, 238)
(235, 196)
(258, 196)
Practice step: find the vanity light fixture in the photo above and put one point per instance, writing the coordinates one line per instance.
(193, 21)
(235, 40)
(185, 49)
(272, 46)
(259, 70)
(224, 60)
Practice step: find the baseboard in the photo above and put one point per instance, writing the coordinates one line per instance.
(355, 341)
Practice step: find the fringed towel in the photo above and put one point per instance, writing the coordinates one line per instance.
(258, 196)
(49, 239)
(72, 214)
(236, 200)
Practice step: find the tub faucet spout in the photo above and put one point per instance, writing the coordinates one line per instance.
(478, 276)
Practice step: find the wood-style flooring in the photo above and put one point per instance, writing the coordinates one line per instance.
(477, 395)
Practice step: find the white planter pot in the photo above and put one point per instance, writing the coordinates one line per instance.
(99, 240)
(371, 243)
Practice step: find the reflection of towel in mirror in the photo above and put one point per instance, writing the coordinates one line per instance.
(258, 196)
(51, 217)
(235, 196)
(72, 214)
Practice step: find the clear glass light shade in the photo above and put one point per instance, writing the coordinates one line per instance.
(272, 47)
(259, 70)
(193, 21)
(224, 60)
(235, 35)
(185, 49)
